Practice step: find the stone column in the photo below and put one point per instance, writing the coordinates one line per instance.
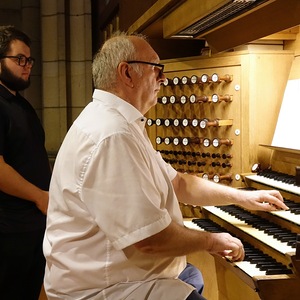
(30, 18)
(66, 65)
(79, 87)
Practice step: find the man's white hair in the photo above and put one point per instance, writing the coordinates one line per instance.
(117, 49)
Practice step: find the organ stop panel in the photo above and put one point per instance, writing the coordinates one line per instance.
(214, 116)
(213, 112)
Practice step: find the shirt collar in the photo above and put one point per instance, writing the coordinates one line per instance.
(129, 112)
(6, 93)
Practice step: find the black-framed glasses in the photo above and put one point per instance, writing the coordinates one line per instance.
(21, 60)
(159, 66)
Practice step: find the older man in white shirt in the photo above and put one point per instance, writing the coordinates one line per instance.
(114, 226)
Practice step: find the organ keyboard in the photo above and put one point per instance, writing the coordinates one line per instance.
(286, 184)
(266, 275)
(256, 263)
(270, 268)
(273, 235)
(276, 180)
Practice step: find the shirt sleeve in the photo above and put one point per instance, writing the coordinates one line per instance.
(171, 171)
(125, 190)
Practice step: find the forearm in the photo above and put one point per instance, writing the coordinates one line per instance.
(12, 183)
(176, 241)
(197, 191)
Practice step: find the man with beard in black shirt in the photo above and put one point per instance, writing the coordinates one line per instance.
(24, 174)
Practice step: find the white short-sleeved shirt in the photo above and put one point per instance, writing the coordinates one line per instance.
(109, 190)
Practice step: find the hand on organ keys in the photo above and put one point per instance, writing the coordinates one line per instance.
(227, 246)
(264, 200)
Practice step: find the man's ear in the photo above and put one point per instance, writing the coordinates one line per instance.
(124, 73)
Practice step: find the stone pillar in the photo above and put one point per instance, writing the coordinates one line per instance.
(30, 18)
(79, 87)
(66, 65)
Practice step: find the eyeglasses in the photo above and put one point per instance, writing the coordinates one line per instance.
(159, 66)
(21, 60)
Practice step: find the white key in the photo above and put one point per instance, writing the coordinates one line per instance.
(286, 214)
(249, 268)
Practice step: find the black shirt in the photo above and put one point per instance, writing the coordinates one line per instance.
(22, 141)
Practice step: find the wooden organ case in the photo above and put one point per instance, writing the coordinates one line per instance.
(212, 115)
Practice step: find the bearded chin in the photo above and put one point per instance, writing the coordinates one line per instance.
(12, 82)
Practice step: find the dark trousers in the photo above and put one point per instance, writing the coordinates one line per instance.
(22, 265)
(193, 276)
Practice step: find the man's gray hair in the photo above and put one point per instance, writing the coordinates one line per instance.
(115, 50)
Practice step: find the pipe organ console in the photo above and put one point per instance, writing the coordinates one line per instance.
(217, 105)
(213, 115)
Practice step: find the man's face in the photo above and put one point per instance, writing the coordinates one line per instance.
(148, 83)
(12, 75)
